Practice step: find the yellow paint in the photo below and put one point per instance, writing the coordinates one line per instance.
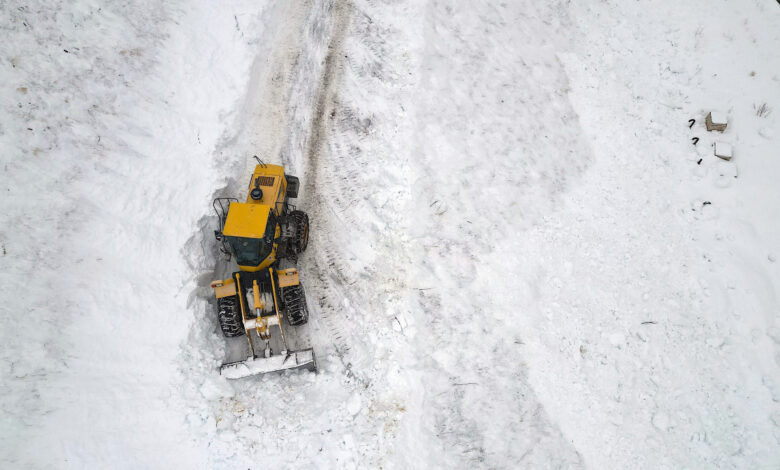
(256, 296)
(243, 314)
(224, 288)
(273, 184)
(260, 324)
(288, 277)
(250, 269)
(249, 219)
(276, 306)
(246, 220)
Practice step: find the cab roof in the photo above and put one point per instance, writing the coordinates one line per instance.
(246, 220)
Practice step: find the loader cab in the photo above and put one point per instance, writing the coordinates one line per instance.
(250, 231)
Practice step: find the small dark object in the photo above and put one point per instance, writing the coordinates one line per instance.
(691, 122)
(706, 203)
(648, 323)
(695, 140)
(699, 162)
(256, 193)
(300, 240)
(66, 51)
(292, 186)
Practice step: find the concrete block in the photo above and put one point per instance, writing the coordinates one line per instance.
(724, 150)
(716, 121)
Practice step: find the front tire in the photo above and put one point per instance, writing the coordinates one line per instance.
(229, 316)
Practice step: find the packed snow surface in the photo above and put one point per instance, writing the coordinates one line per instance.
(520, 256)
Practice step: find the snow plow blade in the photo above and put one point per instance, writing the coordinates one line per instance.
(293, 360)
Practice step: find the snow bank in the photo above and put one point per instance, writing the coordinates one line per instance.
(110, 117)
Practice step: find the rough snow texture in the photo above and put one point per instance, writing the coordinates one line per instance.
(723, 150)
(518, 258)
(110, 115)
(718, 118)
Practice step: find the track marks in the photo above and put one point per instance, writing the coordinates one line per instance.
(319, 185)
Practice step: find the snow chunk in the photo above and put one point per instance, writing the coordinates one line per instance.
(303, 359)
(723, 150)
(212, 390)
(718, 117)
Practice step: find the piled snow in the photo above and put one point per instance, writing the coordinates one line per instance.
(111, 112)
(723, 150)
(518, 259)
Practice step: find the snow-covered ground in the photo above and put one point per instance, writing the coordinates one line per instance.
(111, 114)
(519, 259)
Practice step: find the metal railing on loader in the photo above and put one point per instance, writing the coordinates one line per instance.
(221, 206)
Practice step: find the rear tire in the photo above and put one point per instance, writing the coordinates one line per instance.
(294, 298)
(229, 316)
(301, 239)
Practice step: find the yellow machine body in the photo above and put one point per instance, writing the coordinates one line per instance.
(246, 220)
(249, 220)
(260, 299)
(269, 178)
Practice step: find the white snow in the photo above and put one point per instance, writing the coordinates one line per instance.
(718, 117)
(111, 113)
(724, 150)
(260, 365)
(517, 257)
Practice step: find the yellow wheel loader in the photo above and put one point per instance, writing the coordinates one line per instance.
(261, 299)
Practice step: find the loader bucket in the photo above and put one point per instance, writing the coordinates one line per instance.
(293, 360)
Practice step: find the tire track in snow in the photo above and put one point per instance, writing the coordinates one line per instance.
(488, 129)
(323, 260)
